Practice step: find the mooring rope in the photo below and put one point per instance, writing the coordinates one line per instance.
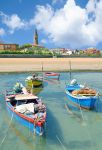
(29, 127)
(88, 130)
(6, 131)
(81, 111)
(64, 148)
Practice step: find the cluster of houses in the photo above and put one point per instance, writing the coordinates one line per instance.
(54, 51)
(65, 51)
(59, 51)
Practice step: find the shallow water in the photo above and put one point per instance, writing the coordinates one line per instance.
(65, 130)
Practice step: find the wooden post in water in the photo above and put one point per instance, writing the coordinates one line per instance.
(70, 69)
(42, 66)
(42, 71)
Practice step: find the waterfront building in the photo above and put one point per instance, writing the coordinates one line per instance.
(91, 51)
(4, 46)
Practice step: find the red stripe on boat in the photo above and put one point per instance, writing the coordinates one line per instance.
(39, 123)
(51, 74)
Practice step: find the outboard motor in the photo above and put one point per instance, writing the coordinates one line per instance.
(73, 82)
(18, 87)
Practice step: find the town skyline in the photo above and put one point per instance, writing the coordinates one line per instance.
(70, 24)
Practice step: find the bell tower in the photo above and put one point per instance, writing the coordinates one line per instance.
(36, 37)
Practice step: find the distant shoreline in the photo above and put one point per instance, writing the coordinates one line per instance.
(17, 65)
(19, 72)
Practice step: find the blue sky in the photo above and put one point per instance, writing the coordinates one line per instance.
(60, 23)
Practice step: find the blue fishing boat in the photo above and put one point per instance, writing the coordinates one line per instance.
(80, 95)
(28, 110)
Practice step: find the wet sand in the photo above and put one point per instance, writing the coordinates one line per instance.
(49, 64)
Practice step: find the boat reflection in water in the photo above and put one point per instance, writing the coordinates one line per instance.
(28, 138)
(52, 75)
(34, 91)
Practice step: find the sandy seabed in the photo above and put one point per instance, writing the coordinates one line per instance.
(49, 64)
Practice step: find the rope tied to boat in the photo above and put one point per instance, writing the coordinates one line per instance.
(7, 131)
(35, 121)
(38, 119)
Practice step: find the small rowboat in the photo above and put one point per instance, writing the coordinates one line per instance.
(28, 110)
(52, 75)
(34, 81)
(83, 100)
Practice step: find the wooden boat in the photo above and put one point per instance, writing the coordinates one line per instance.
(34, 81)
(81, 96)
(52, 75)
(28, 109)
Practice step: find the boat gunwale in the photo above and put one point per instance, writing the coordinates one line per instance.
(81, 97)
(51, 74)
(79, 106)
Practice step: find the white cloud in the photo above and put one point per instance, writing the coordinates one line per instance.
(13, 22)
(57, 1)
(43, 41)
(71, 25)
(91, 6)
(43, 16)
(2, 31)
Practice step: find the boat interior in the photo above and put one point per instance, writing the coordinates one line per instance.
(27, 104)
(17, 102)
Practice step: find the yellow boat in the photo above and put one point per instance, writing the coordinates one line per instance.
(34, 81)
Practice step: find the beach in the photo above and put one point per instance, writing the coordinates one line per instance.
(49, 64)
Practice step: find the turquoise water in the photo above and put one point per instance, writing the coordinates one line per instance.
(65, 130)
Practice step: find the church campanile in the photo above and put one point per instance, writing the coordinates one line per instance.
(36, 37)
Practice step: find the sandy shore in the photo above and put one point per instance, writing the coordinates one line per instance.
(49, 64)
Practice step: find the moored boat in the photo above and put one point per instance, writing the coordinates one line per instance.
(34, 81)
(28, 109)
(81, 96)
(52, 75)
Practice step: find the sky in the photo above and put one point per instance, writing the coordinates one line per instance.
(75, 24)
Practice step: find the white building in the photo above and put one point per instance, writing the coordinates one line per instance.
(69, 52)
